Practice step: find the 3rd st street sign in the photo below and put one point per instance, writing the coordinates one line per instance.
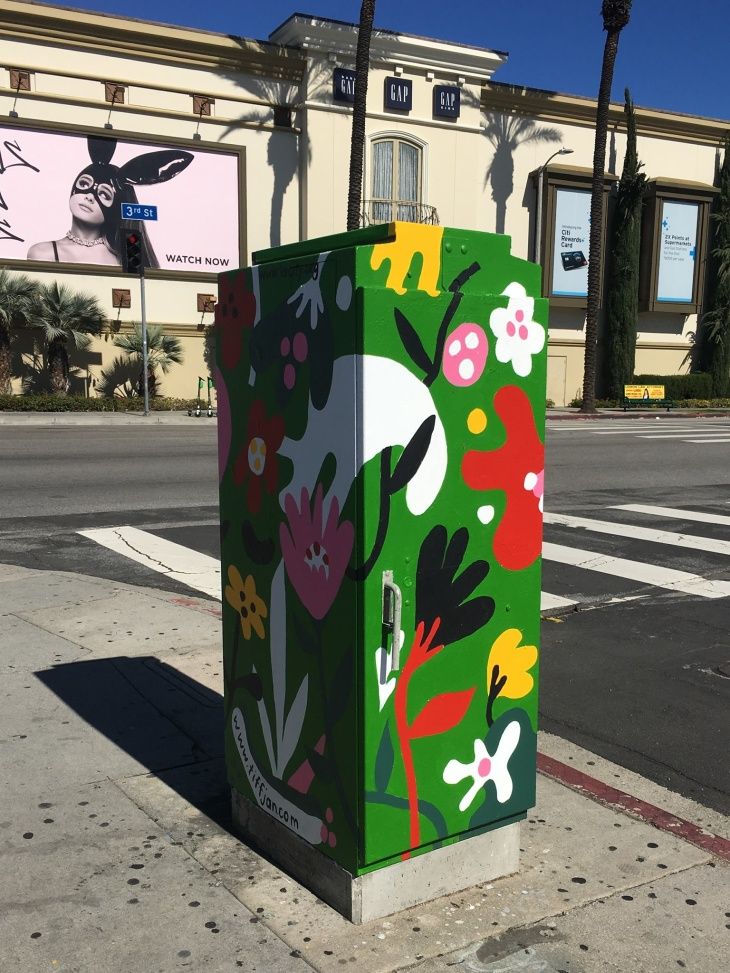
(137, 211)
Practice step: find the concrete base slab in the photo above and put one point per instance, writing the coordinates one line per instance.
(388, 890)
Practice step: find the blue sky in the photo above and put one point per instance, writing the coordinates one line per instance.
(672, 55)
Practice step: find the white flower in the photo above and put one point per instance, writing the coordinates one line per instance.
(485, 767)
(518, 336)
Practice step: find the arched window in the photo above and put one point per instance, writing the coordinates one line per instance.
(395, 186)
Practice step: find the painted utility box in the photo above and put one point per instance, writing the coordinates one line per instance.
(381, 403)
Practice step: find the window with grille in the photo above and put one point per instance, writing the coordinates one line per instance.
(396, 181)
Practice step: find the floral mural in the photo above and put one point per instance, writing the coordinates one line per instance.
(384, 412)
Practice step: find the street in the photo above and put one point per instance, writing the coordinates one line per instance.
(637, 536)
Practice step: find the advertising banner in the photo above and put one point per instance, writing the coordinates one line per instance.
(570, 242)
(677, 249)
(61, 197)
(647, 392)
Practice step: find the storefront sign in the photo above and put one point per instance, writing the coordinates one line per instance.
(677, 249)
(398, 94)
(446, 101)
(570, 242)
(61, 197)
(343, 85)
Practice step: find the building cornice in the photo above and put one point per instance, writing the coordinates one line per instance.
(576, 110)
(62, 26)
(321, 37)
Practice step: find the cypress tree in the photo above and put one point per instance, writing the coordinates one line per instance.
(622, 297)
(716, 322)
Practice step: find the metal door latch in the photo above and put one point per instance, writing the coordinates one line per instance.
(392, 607)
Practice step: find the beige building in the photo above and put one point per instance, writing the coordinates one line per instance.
(243, 145)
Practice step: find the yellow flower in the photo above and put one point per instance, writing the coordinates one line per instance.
(511, 660)
(241, 596)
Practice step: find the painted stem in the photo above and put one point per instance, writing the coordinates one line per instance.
(416, 657)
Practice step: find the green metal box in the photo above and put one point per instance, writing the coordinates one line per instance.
(381, 404)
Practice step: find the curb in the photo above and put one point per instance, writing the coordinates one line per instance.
(618, 800)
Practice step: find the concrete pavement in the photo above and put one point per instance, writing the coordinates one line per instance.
(116, 854)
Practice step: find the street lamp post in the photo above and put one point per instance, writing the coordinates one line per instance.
(538, 216)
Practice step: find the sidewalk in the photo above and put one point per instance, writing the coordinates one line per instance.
(116, 857)
(182, 418)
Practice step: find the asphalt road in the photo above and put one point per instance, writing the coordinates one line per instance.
(636, 676)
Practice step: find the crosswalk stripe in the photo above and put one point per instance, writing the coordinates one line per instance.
(550, 602)
(644, 434)
(676, 513)
(191, 568)
(693, 542)
(726, 440)
(684, 435)
(659, 577)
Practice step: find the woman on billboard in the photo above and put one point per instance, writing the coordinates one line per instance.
(96, 234)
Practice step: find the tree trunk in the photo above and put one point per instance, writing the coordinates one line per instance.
(357, 145)
(595, 255)
(5, 366)
(58, 366)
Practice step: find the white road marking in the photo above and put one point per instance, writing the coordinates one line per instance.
(726, 440)
(674, 512)
(659, 577)
(196, 570)
(549, 602)
(684, 435)
(643, 433)
(691, 541)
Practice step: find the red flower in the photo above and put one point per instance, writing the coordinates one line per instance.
(518, 537)
(257, 462)
(234, 313)
(315, 557)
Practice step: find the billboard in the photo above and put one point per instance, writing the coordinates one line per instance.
(61, 195)
(677, 251)
(570, 242)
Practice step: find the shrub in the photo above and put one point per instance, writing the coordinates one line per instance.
(696, 385)
(79, 403)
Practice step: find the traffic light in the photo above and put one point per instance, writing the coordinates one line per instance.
(133, 253)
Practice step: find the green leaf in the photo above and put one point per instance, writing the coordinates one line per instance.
(384, 761)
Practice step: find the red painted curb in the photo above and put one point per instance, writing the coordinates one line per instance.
(611, 797)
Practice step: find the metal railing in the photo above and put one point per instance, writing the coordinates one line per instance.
(387, 210)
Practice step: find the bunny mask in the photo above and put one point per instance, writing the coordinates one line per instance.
(106, 181)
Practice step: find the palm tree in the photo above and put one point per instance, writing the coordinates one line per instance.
(66, 317)
(357, 145)
(163, 351)
(18, 300)
(505, 134)
(615, 15)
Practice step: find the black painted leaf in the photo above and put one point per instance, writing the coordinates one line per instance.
(341, 688)
(320, 764)
(259, 551)
(252, 684)
(412, 456)
(411, 341)
(384, 761)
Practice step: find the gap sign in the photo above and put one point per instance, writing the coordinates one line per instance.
(137, 211)
(344, 85)
(446, 101)
(398, 94)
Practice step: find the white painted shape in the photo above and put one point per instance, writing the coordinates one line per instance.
(690, 541)
(675, 513)
(618, 567)
(394, 404)
(548, 602)
(175, 561)
(486, 513)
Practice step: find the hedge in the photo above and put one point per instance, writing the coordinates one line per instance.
(79, 403)
(696, 385)
(649, 404)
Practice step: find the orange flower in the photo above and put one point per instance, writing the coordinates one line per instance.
(241, 596)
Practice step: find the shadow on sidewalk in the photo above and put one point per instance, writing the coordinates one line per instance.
(166, 721)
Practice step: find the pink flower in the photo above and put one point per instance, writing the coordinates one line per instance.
(315, 558)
